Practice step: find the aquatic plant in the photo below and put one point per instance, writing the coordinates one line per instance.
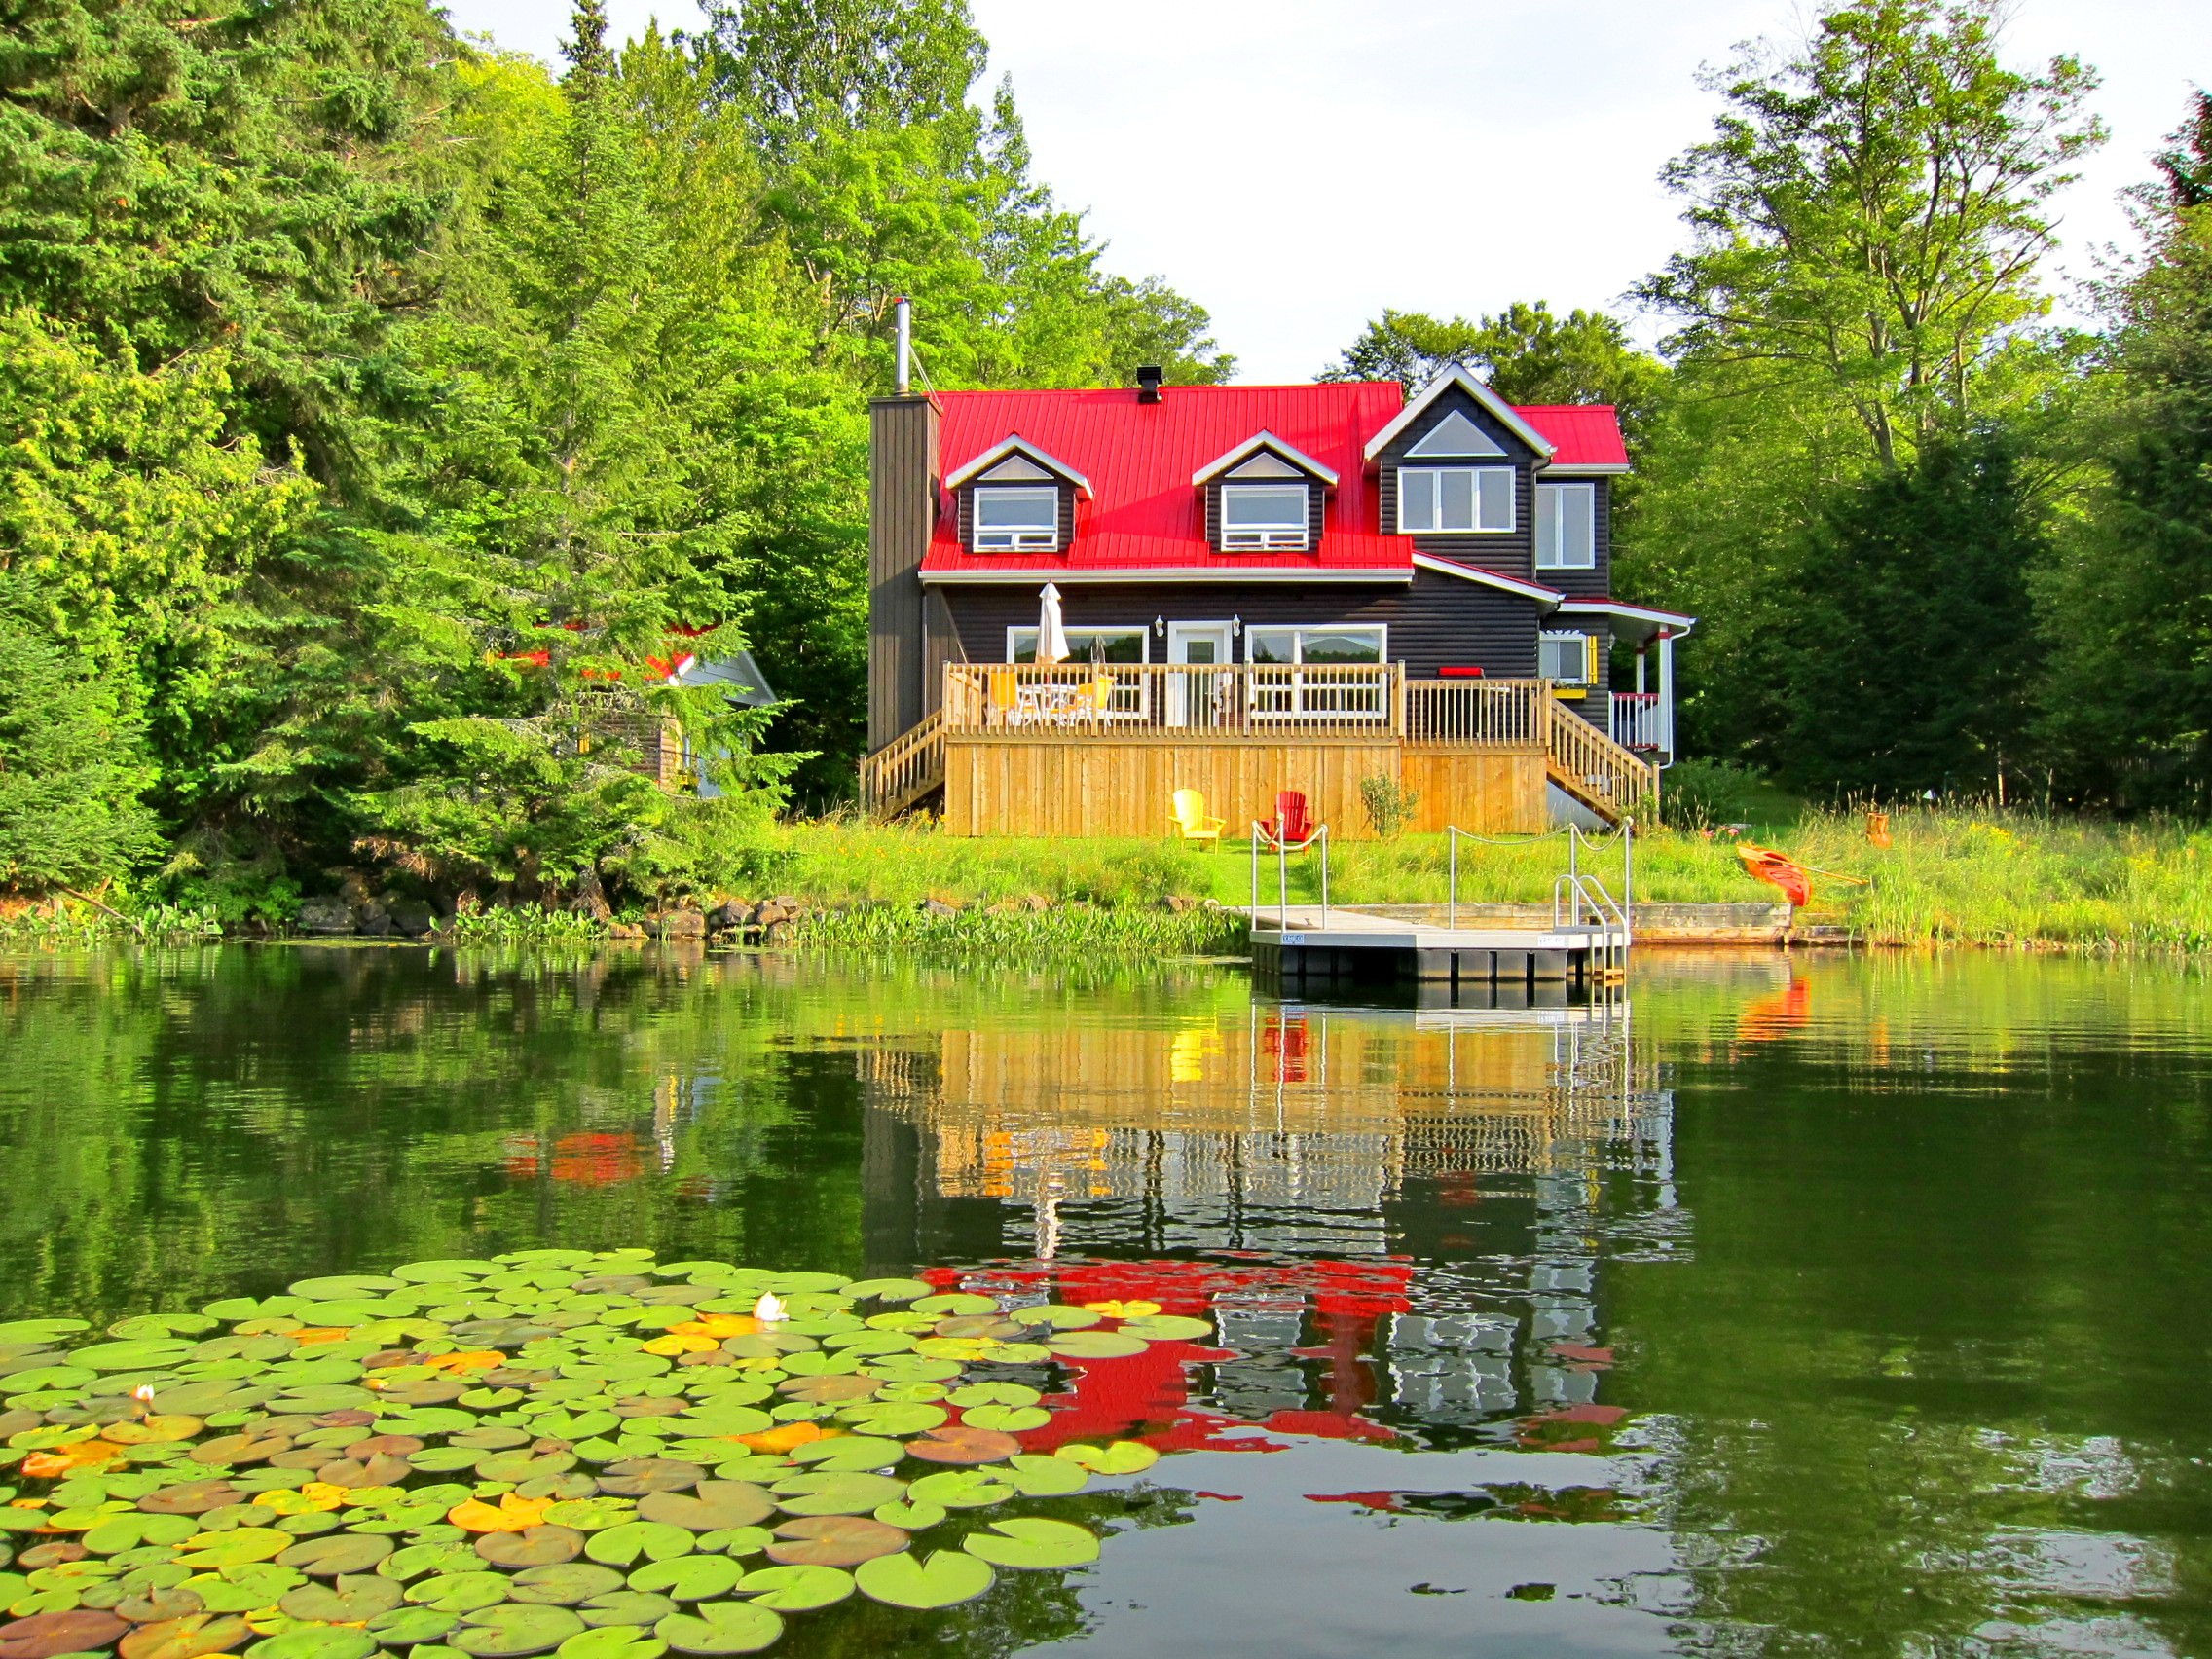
(589, 1453)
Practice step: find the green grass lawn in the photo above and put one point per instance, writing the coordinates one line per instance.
(1950, 875)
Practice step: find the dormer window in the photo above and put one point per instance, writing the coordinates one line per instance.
(1454, 501)
(1017, 518)
(1263, 516)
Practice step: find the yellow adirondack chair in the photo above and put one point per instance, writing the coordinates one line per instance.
(1189, 816)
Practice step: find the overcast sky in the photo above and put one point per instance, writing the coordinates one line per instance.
(1295, 165)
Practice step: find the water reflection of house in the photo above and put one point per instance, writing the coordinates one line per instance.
(1502, 1153)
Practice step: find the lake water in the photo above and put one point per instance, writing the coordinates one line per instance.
(1826, 1306)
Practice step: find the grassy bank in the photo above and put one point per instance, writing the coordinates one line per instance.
(1948, 876)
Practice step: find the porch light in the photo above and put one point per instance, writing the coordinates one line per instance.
(1236, 627)
(1159, 627)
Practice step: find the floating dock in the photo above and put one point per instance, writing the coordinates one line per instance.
(1299, 943)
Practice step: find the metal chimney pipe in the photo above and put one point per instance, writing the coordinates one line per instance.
(904, 313)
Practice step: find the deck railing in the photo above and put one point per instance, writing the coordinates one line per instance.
(1636, 721)
(1483, 714)
(1598, 769)
(1057, 701)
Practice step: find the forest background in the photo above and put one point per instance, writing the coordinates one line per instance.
(379, 413)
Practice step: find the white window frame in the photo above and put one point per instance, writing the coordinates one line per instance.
(1018, 539)
(1547, 548)
(1429, 477)
(1280, 536)
(1581, 640)
(1297, 698)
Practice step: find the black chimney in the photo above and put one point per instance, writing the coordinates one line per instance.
(1148, 383)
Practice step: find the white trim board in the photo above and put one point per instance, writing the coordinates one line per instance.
(1490, 579)
(1632, 612)
(1153, 573)
(1265, 440)
(1016, 444)
(1456, 376)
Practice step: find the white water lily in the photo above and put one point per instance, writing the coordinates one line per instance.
(769, 1308)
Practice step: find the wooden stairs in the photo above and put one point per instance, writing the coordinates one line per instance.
(906, 771)
(1610, 780)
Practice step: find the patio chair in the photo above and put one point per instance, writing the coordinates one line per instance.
(1003, 696)
(1189, 816)
(1293, 831)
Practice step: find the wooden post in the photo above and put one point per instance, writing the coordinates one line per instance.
(1399, 698)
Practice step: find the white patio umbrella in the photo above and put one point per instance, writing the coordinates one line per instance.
(1051, 628)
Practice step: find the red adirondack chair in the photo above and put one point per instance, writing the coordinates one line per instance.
(1293, 830)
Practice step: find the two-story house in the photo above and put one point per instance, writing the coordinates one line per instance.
(1258, 588)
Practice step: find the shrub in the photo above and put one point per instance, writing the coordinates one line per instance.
(1390, 805)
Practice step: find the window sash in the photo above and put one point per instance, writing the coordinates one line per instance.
(1564, 658)
(1016, 517)
(1567, 527)
(1454, 501)
(1263, 515)
(1122, 644)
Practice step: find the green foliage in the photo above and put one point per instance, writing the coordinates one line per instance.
(1704, 794)
(1525, 352)
(1390, 805)
(1919, 641)
(70, 770)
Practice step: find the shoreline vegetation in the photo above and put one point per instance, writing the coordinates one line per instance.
(2005, 879)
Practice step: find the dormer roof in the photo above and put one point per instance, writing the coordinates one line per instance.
(1256, 444)
(1008, 448)
(1454, 377)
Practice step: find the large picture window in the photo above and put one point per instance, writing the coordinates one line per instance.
(1567, 527)
(1015, 518)
(1454, 501)
(1263, 515)
(1084, 645)
(1323, 672)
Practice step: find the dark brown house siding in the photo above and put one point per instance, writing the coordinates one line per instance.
(1316, 509)
(903, 497)
(1510, 553)
(1439, 621)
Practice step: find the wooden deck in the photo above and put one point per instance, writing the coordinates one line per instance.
(1083, 750)
(1338, 942)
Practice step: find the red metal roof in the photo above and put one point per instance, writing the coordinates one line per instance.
(1138, 458)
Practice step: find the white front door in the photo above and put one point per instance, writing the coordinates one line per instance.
(1200, 699)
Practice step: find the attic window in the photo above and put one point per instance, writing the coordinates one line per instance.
(1020, 518)
(1263, 516)
(1456, 435)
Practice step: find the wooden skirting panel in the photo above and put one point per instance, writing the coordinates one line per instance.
(1099, 787)
(1491, 791)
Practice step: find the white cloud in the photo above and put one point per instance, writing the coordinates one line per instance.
(1295, 165)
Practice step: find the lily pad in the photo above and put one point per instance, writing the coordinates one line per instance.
(339, 1553)
(1056, 1316)
(633, 1476)
(237, 1546)
(626, 1608)
(591, 1514)
(460, 1592)
(957, 1443)
(798, 1589)
(963, 1488)
(716, 1505)
(639, 1540)
(894, 1416)
(1166, 1328)
(837, 1493)
(723, 1627)
(958, 1303)
(192, 1498)
(689, 1578)
(1035, 1476)
(515, 1629)
(1118, 1458)
(1032, 1543)
(1096, 1344)
(533, 1546)
(944, 1578)
(41, 1331)
(315, 1641)
(1007, 1419)
(887, 1290)
(411, 1627)
(352, 1599)
(909, 1516)
(613, 1641)
(193, 1637)
(849, 1452)
(833, 1540)
(993, 1394)
(566, 1585)
(416, 1559)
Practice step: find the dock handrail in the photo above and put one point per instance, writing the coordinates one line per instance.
(1613, 916)
(1282, 877)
